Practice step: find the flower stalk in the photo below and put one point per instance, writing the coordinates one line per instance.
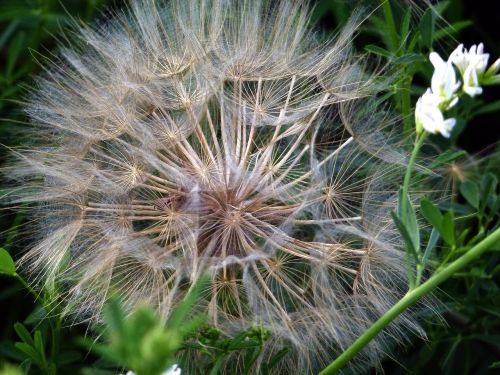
(419, 141)
(410, 298)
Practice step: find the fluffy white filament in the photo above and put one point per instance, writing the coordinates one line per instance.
(222, 137)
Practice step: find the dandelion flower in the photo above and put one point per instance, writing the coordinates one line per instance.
(218, 137)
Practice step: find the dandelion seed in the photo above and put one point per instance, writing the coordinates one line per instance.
(217, 137)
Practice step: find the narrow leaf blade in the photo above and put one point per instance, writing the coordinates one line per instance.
(433, 239)
(404, 232)
(431, 213)
(470, 192)
(7, 265)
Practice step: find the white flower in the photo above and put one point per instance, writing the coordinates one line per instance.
(174, 370)
(444, 81)
(430, 99)
(442, 95)
(429, 117)
(471, 82)
(472, 65)
(463, 58)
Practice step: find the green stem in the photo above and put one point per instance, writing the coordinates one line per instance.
(409, 170)
(389, 19)
(29, 288)
(450, 255)
(404, 199)
(55, 337)
(410, 298)
(420, 270)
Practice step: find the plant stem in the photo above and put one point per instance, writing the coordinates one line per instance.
(409, 169)
(29, 288)
(420, 270)
(410, 298)
(391, 25)
(55, 338)
(405, 200)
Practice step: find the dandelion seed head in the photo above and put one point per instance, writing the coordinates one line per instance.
(219, 137)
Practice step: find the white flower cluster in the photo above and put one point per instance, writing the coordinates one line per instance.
(443, 93)
(174, 370)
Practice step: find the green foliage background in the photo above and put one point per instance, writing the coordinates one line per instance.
(468, 343)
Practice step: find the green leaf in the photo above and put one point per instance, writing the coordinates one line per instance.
(431, 213)
(404, 232)
(378, 51)
(491, 80)
(489, 184)
(448, 228)
(217, 366)
(181, 312)
(23, 334)
(470, 192)
(250, 358)
(7, 265)
(426, 27)
(15, 48)
(461, 238)
(30, 352)
(8, 32)
(339, 10)
(277, 358)
(405, 23)
(443, 223)
(452, 29)
(462, 209)
(238, 340)
(452, 351)
(336, 8)
(433, 239)
(447, 157)
(382, 99)
(96, 371)
(412, 225)
(441, 6)
(409, 58)
(25, 366)
(36, 316)
(9, 351)
(495, 364)
(115, 317)
(495, 205)
(39, 345)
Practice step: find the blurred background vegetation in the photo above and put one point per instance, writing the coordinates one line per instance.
(468, 342)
